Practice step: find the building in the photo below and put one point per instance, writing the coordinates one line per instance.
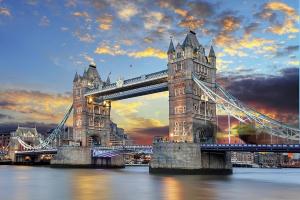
(29, 135)
(4, 140)
(192, 115)
(242, 158)
(91, 116)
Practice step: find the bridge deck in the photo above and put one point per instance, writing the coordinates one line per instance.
(130, 84)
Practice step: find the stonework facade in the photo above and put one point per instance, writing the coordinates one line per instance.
(91, 117)
(192, 116)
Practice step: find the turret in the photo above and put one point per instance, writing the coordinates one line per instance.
(75, 78)
(212, 57)
(171, 50)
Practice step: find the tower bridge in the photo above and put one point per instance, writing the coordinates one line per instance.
(194, 97)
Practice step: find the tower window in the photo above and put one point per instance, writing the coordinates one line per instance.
(179, 67)
(179, 54)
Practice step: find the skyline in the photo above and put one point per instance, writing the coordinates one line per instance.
(256, 49)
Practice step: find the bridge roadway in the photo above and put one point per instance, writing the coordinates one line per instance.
(141, 85)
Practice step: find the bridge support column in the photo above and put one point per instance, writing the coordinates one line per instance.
(187, 158)
(81, 157)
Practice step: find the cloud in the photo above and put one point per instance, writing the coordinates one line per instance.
(279, 26)
(116, 50)
(230, 23)
(126, 11)
(110, 50)
(191, 22)
(84, 37)
(37, 106)
(3, 117)
(5, 11)
(281, 7)
(88, 58)
(251, 27)
(152, 20)
(294, 63)
(145, 135)
(44, 21)
(149, 52)
(105, 22)
(81, 14)
(277, 96)
(236, 47)
(287, 50)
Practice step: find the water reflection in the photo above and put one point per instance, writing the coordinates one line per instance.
(94, 185)
(36, 183)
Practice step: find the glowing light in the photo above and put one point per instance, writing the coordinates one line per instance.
(90, 100)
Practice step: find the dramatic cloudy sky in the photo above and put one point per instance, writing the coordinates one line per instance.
(43, 44)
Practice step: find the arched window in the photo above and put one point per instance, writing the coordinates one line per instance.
(96, 110)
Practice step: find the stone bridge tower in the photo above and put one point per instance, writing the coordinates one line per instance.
(91, 120)
(192, 116)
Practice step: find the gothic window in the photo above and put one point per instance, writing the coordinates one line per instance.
(79, 109)
(91, 121)
(176, 128)
(180, 109)
(96, 110)
(78, 123)
(184, 129)
(179, 54)
(179, 66)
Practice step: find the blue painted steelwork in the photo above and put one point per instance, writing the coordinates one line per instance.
(280, 148)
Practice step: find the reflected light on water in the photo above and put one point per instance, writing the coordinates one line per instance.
(172, 189)
(90, 186)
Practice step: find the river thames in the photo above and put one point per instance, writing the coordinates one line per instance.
(39, 183)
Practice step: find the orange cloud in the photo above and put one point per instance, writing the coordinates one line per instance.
(116, 50)
(34, 106)
(105, 22)
(149, 52)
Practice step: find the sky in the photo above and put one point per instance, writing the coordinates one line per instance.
(44, 43)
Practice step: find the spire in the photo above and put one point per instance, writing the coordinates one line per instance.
(75, 77)
(108, 79)
(212, 52)
(171, 47)
(191, 40)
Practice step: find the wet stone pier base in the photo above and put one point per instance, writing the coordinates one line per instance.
(187, 158)
(81, 157)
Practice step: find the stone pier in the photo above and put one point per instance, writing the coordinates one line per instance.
(187, 158)
(81, 157)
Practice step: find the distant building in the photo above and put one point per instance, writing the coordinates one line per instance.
(270, 159)
(29, 135)
(4, 140)
(246, 158)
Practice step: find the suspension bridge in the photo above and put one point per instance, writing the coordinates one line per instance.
(194, 98)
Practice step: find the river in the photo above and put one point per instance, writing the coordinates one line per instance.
(134, 183)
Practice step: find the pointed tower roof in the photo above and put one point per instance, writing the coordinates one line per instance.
(75, 77)
(92, 72)
(108, 80)
(191, 40)
(171, 47)
(211, 52)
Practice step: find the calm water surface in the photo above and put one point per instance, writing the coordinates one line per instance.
(39, 183)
